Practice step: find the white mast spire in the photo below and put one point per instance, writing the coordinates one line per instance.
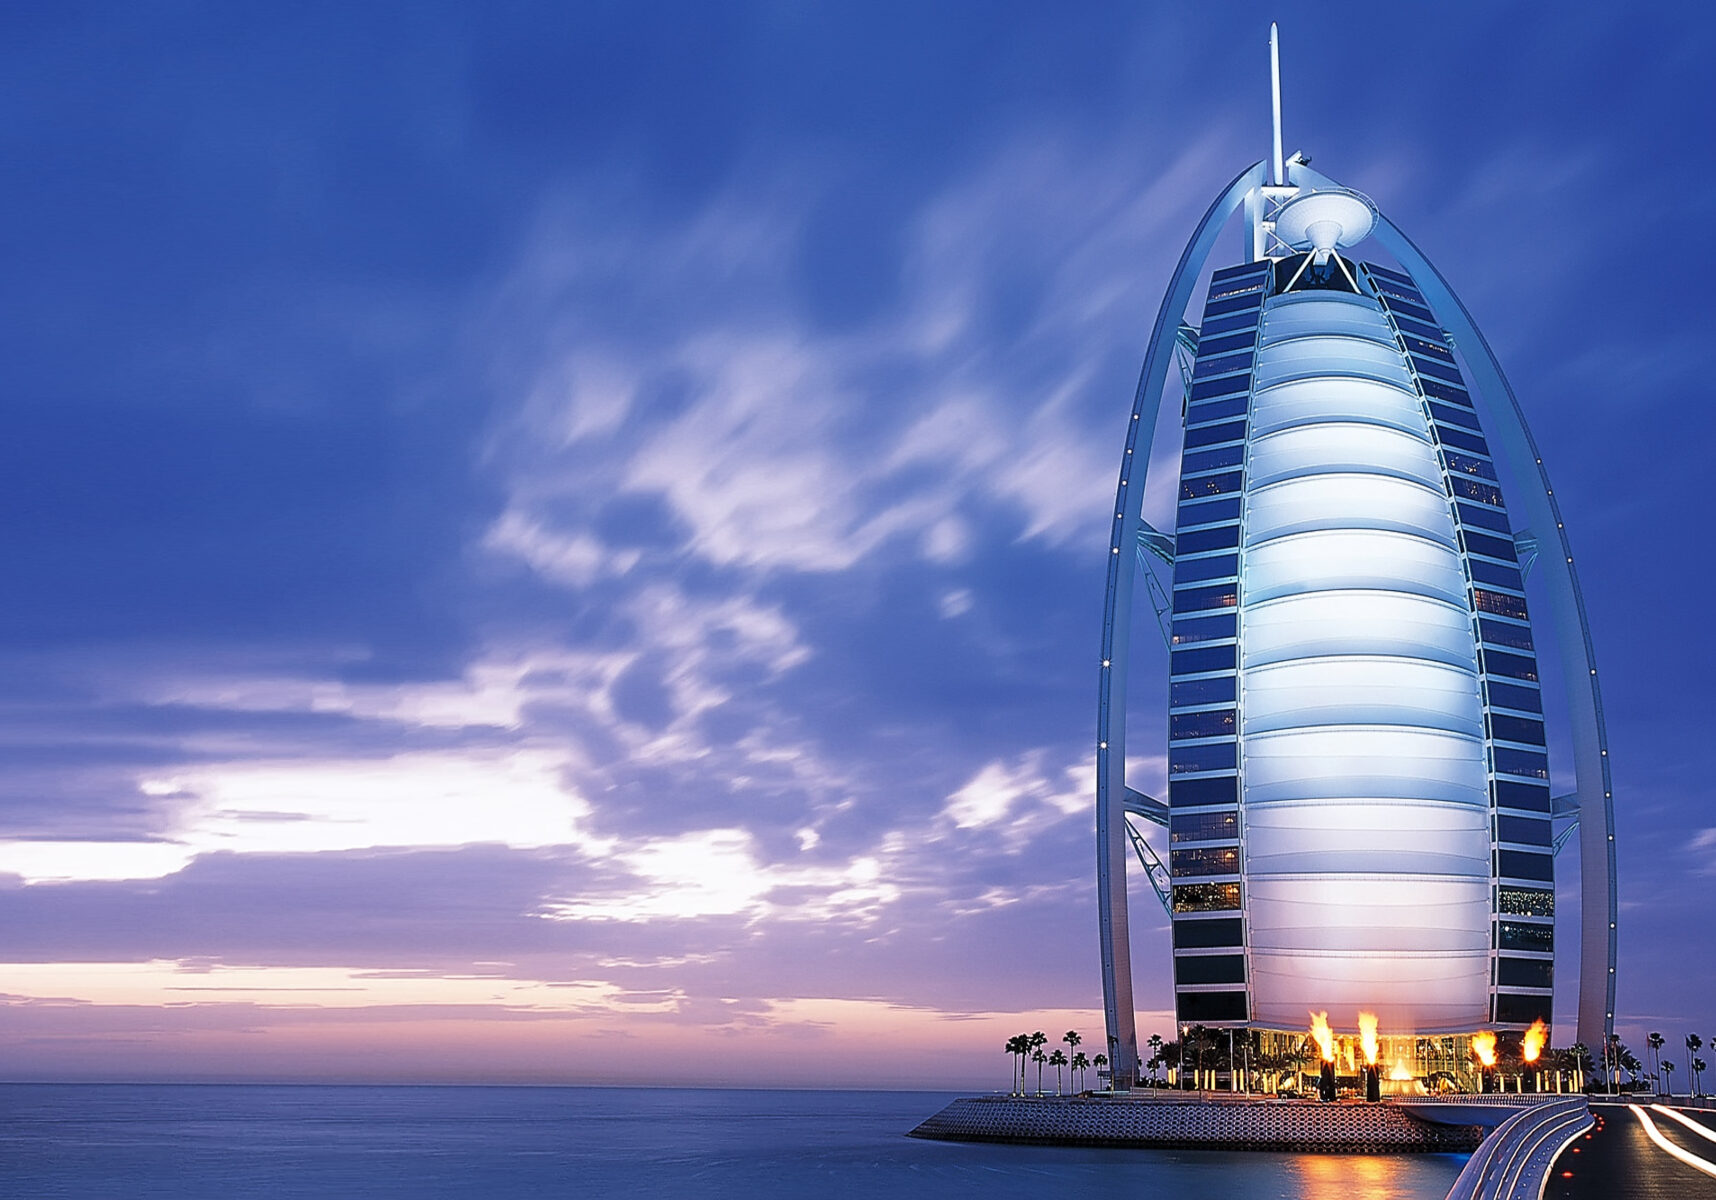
(1280, 168)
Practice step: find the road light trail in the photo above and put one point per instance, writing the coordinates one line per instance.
(1662, 1143)
(1698, 1127)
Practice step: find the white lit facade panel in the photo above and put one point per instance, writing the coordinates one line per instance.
(1345, 559)
(1409, 694)
(1309, 503)
(1313, 625)
(1320, 401)
(1341, 449)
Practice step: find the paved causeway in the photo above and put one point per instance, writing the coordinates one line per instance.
(1621, 1160)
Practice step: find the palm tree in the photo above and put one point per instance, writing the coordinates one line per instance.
(1038, 1057)
(1057, 1060)
(1656, 1042)
(1629, 1062)
(1099, 1062)
(1694, 1044)
(1079, 1064)
(1698, 1068)
(1019, 1045)
(1155, 1044)
(1072, 1039)
(1666, 1066)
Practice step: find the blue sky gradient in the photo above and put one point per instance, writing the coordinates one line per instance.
(566, 542)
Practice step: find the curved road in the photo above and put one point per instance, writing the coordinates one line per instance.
(1618, 1160)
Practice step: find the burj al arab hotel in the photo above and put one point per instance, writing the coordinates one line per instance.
(1359, 812)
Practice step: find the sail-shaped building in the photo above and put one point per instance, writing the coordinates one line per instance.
(1359, 813)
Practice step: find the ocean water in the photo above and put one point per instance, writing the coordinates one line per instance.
(189, 1142)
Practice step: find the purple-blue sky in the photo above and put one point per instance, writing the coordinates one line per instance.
(565, 542)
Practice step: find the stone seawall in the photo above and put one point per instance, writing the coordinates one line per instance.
(1294, 1126)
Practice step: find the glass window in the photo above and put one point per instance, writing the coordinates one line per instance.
(1256, 272)
(1198, 541)
(1209, 968)
(1509, 695)
(1525, 864)
(1209, 512)
(1208, 368)
(1216, 410)
(1504, 633)
(1474, 489)
(1197, 599)
(1514, 793)
(1211, 485)
(1225, 386)
(1519, 935)
(1431, 348)
(1516, 729)
(1411, 310)
(1485, 518)
(1201, 1007)
(1497, 574)
(1210, 435)
(1454, 415)
(1204, 629)
(1203, 826)
(1190, 570)
(1523, 902)
(1461, 439)
(1524, 972)
(1191, 758)
(1436, 370)
(1389, 273)
(1417, 328)
(1533, 764)
(1214, 347)
(1213, 460)
(1483, 543)
(1201, 660)
(1209, 933)
(1522, 831)
(1233, 304)
(1205, 897)
(1214, 723)
(1514, 666)
(1204, 860)
(1217, 325)
(1521, 1010)
(1199, 793)
(1499, 603)
(1465, 464)
(1452, 393)
(1188, 692)
(1221, 289)
(1396, 291)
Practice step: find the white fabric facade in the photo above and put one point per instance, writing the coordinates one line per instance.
(1364, 802)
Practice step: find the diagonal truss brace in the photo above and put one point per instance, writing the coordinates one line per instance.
(1156, 542)
(1161, 545)
(1564, 812)
(1186, 358)
(1153, 869)
(1525, 549)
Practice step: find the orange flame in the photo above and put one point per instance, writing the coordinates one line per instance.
(1484, 1046)
(1532, 1044)
(1323, 1035)
(1367, 1036)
